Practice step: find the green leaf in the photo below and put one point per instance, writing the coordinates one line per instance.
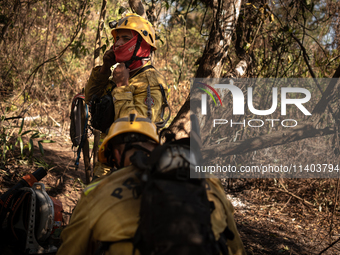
(47, 141)
(26, 132)
(15, 144)
(121, 10)
(41, 148)
(21, 146)
(35, 135)
(4, 153)
(167, 5)
(30, 146)
(22, 124)
(104, 48)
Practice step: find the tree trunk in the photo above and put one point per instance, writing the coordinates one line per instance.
(98, 44)
(137, 7)
(269, 140)
(304, 130)
(330, 93)
(96, 62)
(225, 15)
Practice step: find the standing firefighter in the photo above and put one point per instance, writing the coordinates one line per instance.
(148, 207)
(134, 85)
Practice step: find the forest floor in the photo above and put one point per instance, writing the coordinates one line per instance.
(270, 220)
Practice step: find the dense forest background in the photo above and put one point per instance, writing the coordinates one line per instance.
(48, 49)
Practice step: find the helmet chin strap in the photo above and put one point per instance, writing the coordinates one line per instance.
(128, 147)
(134, 56)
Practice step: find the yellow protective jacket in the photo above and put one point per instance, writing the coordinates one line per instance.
(133, 96)
(108, 212)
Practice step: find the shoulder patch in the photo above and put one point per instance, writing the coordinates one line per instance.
(146, 101)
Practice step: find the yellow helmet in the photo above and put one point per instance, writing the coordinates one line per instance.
(140, 25)
(131, 124)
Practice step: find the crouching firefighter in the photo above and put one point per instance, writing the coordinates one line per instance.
(150, 205)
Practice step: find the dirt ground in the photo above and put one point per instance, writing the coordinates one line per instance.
(270, 220)
(63, 181)
(284, 225)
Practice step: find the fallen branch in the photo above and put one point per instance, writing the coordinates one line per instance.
(285, 205)
(293, 195)
(55, 121)
(277, 138)
(329, 246)
(30, 118)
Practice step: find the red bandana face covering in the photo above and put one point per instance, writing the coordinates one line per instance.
(124, 53)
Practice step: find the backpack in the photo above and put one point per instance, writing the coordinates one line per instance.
(9, 216)
(30, 220)
(102, 111)
(76, 130)
(78, 126)
(174, 211)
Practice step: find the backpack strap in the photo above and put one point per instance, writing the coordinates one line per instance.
(142, 70)
(227, 234)
(82, 137)
(149, 100)
(165, 104)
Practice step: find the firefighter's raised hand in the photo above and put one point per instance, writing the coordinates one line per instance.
(121, 75)
(109, 60)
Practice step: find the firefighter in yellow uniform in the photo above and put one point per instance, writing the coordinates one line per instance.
(133, 76)
(108, 211)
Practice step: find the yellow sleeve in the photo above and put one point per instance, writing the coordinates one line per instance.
(235, 246)
(223, 216)
(140, 101)
(133, 97)
(123, 100)
(76, 237)
(96, 84)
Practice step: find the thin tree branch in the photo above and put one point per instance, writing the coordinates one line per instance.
(330, 246)
(75, 34)
(300, 132)
(184, 42)
(305, 57)
(293, 195)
